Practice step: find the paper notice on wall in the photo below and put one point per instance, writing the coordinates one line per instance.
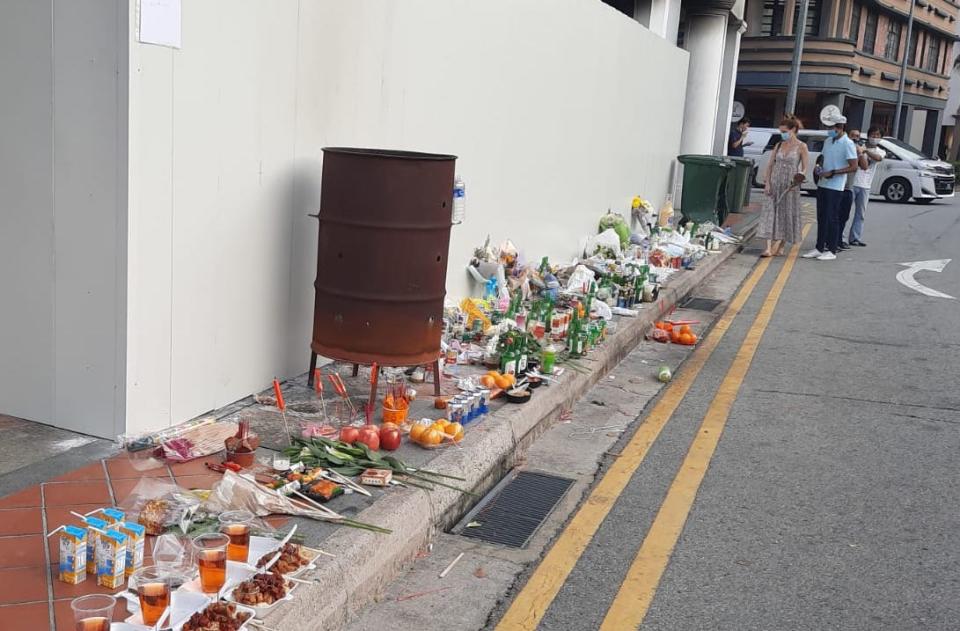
(160, 22)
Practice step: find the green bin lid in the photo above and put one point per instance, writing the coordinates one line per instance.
(740, 161)
(713, 161)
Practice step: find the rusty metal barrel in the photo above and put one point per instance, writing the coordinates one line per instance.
(385, 219)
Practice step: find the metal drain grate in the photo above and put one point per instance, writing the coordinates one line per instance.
(514, 510)
(700, 304)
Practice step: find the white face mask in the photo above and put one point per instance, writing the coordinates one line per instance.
(873, 142)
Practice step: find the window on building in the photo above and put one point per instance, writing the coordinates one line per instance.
(891, 49)
(813, 17)
(932, 58)
(870, 33)
(912, 54)
(841, 18)
(946, 59)
(855, 22)
(771, 20)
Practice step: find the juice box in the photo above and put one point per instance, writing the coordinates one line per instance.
(73, 555)
(135, 536)
(92, 538)
(111, 516)
(111, 559)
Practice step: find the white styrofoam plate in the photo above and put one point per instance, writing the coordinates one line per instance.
(263, 610)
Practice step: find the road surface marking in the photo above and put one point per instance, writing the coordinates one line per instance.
(638, 588)
(906, 276)
(530, 605)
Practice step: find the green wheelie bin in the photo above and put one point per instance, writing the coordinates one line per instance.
(737, 192)
(703, 181)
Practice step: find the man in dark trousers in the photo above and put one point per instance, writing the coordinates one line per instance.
(839, 159)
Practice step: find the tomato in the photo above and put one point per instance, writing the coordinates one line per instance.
(390, 438)
(370, 436)
(349, 434)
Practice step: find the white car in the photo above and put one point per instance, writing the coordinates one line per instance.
(760, 138)
(903, 175)
(907, 173)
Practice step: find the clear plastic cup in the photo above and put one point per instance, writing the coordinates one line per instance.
(211, 552)
(236, 525)
(93, 612)
(153, 590)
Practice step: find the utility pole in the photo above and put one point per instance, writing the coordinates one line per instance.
(800, 29)
(903, 74)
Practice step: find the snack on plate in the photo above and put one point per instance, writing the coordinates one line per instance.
(261, 589)
(291, 560)
(217, 617)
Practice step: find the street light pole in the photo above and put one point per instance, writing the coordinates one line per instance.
(903, 74)
(800, 26)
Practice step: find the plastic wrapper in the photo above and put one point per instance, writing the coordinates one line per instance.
(160, 505)
(237, 492)
(581, 277)
(606, 244)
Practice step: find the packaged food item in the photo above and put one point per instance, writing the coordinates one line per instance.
(73, 554)
(111, 515)
(322, 490)
(160, 505)
(93, 536)
(135, 537)
(111, 559)
(376, 477)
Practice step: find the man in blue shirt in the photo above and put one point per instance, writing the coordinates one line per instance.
(839, 159)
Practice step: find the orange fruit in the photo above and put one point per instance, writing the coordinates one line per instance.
(685, 329)
(458, 437)
(487, 381)
(431, 437)
(493, 373)
(512, 378)
(502, 382)
(441, 424)
(417, 430)
(453, 429)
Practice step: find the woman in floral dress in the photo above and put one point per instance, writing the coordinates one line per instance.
(780, 219)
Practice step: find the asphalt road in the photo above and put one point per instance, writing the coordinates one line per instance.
(831, 501)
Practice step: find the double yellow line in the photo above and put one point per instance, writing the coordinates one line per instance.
(638, 588)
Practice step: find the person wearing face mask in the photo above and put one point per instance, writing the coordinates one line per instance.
(839, 158)
(846, 204)
(871, 156)
(780, 220)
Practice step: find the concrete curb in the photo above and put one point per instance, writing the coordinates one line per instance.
(366, 562)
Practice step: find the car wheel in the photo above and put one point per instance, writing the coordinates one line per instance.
(923, 200)
(897, 189)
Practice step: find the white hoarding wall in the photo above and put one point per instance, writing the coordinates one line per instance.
(556, 110)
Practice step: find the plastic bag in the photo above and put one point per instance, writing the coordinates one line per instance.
(581, 277)
(160, 505)
(607, 244)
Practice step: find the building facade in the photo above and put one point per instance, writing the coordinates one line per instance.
(852, 56)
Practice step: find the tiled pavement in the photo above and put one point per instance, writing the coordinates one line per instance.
(31, 596)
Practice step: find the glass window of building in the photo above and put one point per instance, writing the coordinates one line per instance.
(912, 54)
(813, 17)
(855, 22)
(891, 49)
(771, 20)
(870, 33)
(841, 16)
(932, 59)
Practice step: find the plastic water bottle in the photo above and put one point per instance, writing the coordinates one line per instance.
(459, 201)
